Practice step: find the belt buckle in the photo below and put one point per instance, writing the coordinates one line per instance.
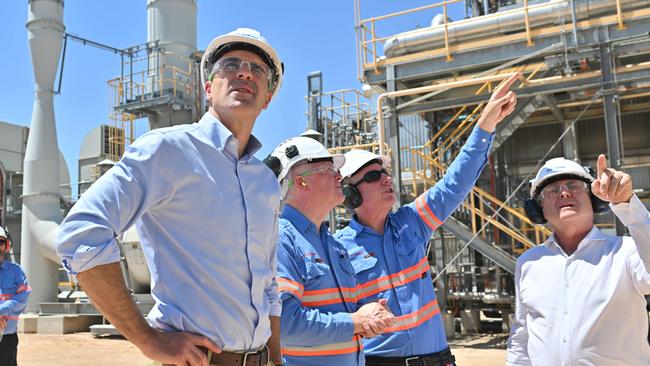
(408, 360)
(246, 354)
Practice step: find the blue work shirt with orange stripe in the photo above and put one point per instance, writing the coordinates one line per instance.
(394, 265)
(14, 292)
(318, 289)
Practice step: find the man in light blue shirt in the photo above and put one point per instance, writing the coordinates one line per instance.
(14, 292)
(206, 212)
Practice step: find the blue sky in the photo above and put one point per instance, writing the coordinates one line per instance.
(308, 35)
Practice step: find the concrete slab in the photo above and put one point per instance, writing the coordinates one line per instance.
(449, 323)
(66, 323)
(28, 323)
(470, 321)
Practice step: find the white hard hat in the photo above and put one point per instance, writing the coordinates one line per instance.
(3, 234)
(296, 149)
(357, 159)
(242, 38)
(557, 169)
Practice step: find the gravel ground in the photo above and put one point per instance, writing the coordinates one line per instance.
(83, 349)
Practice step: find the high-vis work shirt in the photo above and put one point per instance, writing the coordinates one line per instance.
(207, 221)
(394, 265)
(14, 291)
(587, 308)
(318, 291)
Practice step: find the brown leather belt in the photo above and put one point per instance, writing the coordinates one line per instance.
(225, 358)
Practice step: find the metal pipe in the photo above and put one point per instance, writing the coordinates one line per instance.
(487, 26)
(41, 213)
(426, 89)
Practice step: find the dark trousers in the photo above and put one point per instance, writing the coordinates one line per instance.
(8, 349)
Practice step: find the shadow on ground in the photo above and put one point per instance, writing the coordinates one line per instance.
(480, 341)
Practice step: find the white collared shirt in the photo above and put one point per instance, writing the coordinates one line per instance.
(587, 308)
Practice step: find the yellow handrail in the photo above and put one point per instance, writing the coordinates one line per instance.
(369, 46)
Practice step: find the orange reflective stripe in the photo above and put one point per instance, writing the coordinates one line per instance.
(6, 296)
(10, 317)
(412, 320)
(425, 212)
(331, 349)
(330, 296)
(23, 288)
(395, 280)
(292, 287)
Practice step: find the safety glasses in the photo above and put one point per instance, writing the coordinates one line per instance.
(229, 66)
(555, 189)
(327, 170)
(372, 176)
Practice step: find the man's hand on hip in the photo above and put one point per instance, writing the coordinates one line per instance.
(178, 348)
(611, 185)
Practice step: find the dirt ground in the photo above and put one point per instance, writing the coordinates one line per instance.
(83, 349)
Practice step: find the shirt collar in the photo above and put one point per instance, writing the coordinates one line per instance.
(221, 135)
(594, 235)
(359, 227)
(299, 221)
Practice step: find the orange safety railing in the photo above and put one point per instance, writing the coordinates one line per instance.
(140, 86)
(368, 41)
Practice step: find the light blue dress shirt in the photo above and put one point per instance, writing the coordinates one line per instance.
(14, 292)
(394, 266)
(207, 222)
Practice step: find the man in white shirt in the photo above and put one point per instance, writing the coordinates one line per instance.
(580, 295)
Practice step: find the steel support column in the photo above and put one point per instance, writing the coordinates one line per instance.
(610, 107)
(392, 132)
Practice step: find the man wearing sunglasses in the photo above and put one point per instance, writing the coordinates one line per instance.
(14, 292)
(580, 294)
(206, 213)
(321, 322)
(388, 249)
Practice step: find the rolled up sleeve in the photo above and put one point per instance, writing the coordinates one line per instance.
(87, 236)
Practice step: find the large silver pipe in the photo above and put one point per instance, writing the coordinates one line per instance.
(41, 211)
(484, 27)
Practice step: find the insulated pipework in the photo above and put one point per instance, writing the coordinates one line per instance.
(41, 212)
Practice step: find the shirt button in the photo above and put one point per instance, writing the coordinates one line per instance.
(563, 340)
(567, 284)
(484, 140)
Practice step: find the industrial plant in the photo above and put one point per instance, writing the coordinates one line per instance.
(584, 89)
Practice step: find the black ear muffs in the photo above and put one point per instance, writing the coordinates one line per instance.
(352, 196)
(274, 164)
(598, 205)
(534, 211)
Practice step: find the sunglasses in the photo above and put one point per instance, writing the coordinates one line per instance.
(372, 176)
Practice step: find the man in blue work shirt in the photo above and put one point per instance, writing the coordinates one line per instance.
(14, 291)
(388, 249)
(206, 213)
(321, 323)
